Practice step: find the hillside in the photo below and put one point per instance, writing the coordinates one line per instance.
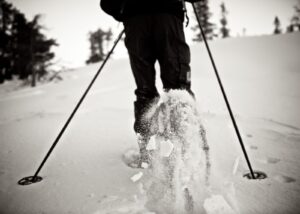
(86, 174)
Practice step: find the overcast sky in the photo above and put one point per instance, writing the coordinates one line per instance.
(69, 21)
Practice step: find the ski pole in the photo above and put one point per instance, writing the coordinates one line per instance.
(35, 178)
(252, 174)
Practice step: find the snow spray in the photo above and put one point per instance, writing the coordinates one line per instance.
(180, 165)
(179, 177)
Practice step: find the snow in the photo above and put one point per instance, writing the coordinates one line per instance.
(137, 176)
(178, 165)
(217, 204)
(86, 172)
(166, 148)
(152, 143)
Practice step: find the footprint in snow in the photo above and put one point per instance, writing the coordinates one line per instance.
(249, 135)
(253, 147)
(284, 179)
(270, 160)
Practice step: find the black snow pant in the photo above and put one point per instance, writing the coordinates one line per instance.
(151, 38)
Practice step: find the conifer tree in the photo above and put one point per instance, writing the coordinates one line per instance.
(295, 20)
(224, 30)
(277, 24)
(25, 50)
(204, 15)
(40, 49)
(32, 50)
(97, 40)
(6, 18)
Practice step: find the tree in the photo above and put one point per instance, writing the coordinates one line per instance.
(25, 50)
(277, 24)
(40, 54)
(22, 46)
(6, 11)
(224, 30)
(97, 40)
(32, 53)
(295, 21)
(202, 10)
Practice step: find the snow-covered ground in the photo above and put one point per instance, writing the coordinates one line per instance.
(86, 173)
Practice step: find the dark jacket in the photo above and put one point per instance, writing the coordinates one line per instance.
(140, 7)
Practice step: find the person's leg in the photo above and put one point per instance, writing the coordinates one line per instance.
(139, 43)
(174, 53)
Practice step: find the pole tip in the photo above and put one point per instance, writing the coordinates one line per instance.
(30, 180)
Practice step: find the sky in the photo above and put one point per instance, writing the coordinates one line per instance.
(69, 21)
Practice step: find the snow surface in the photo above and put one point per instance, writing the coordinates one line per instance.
(86, 173)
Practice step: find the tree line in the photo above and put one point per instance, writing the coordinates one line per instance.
(25, 51)
(294, 24)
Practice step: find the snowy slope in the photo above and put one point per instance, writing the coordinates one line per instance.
(85, 174)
